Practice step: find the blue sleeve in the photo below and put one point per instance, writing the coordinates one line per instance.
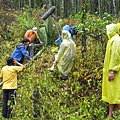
(72, 38)
(59, 40)
(24, 52)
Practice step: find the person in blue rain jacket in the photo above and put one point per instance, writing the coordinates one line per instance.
(20, 52)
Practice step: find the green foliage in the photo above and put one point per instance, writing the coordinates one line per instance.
(50, 30)
(94, 26)
(77, 99)
(5, 24)
(116, 115)
(25, 21)
(43, 35)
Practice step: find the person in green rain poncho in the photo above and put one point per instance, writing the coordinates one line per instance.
(111, 69)
(65, 56)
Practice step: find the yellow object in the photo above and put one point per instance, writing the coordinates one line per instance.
(9, 76)
(66, 53)
(111, 89)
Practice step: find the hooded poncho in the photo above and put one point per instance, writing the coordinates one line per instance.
(111, 89)
(70, 29)
(66, 54)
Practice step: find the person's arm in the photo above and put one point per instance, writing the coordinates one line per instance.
(16, 62)
(114, 65)
(38, 38)
(115, 55)
(24, 52)
(60, 52)
(1, 76)
(40, 41)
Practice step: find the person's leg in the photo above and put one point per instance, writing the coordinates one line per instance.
(111, 108)
(31, 51)
(52, 67)
(64, 77)
(10, 97)
(4, 103)
(119, 106)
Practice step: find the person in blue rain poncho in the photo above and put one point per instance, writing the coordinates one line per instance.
(111, 69)
(65, 56)
(71, 29)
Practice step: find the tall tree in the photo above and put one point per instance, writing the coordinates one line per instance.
(83, 29)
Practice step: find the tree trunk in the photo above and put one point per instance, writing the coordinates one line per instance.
(83, 29)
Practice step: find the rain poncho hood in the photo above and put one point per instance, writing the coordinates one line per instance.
(66, 53)
(111, 89)
(70, 29)
(112, 30)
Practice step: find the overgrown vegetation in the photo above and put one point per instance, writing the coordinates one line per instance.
(80, 97)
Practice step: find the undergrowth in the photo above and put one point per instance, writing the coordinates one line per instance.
(77, 99)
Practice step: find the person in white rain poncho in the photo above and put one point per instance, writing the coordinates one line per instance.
(65, 56)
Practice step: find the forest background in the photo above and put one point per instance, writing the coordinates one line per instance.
(80, 97)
